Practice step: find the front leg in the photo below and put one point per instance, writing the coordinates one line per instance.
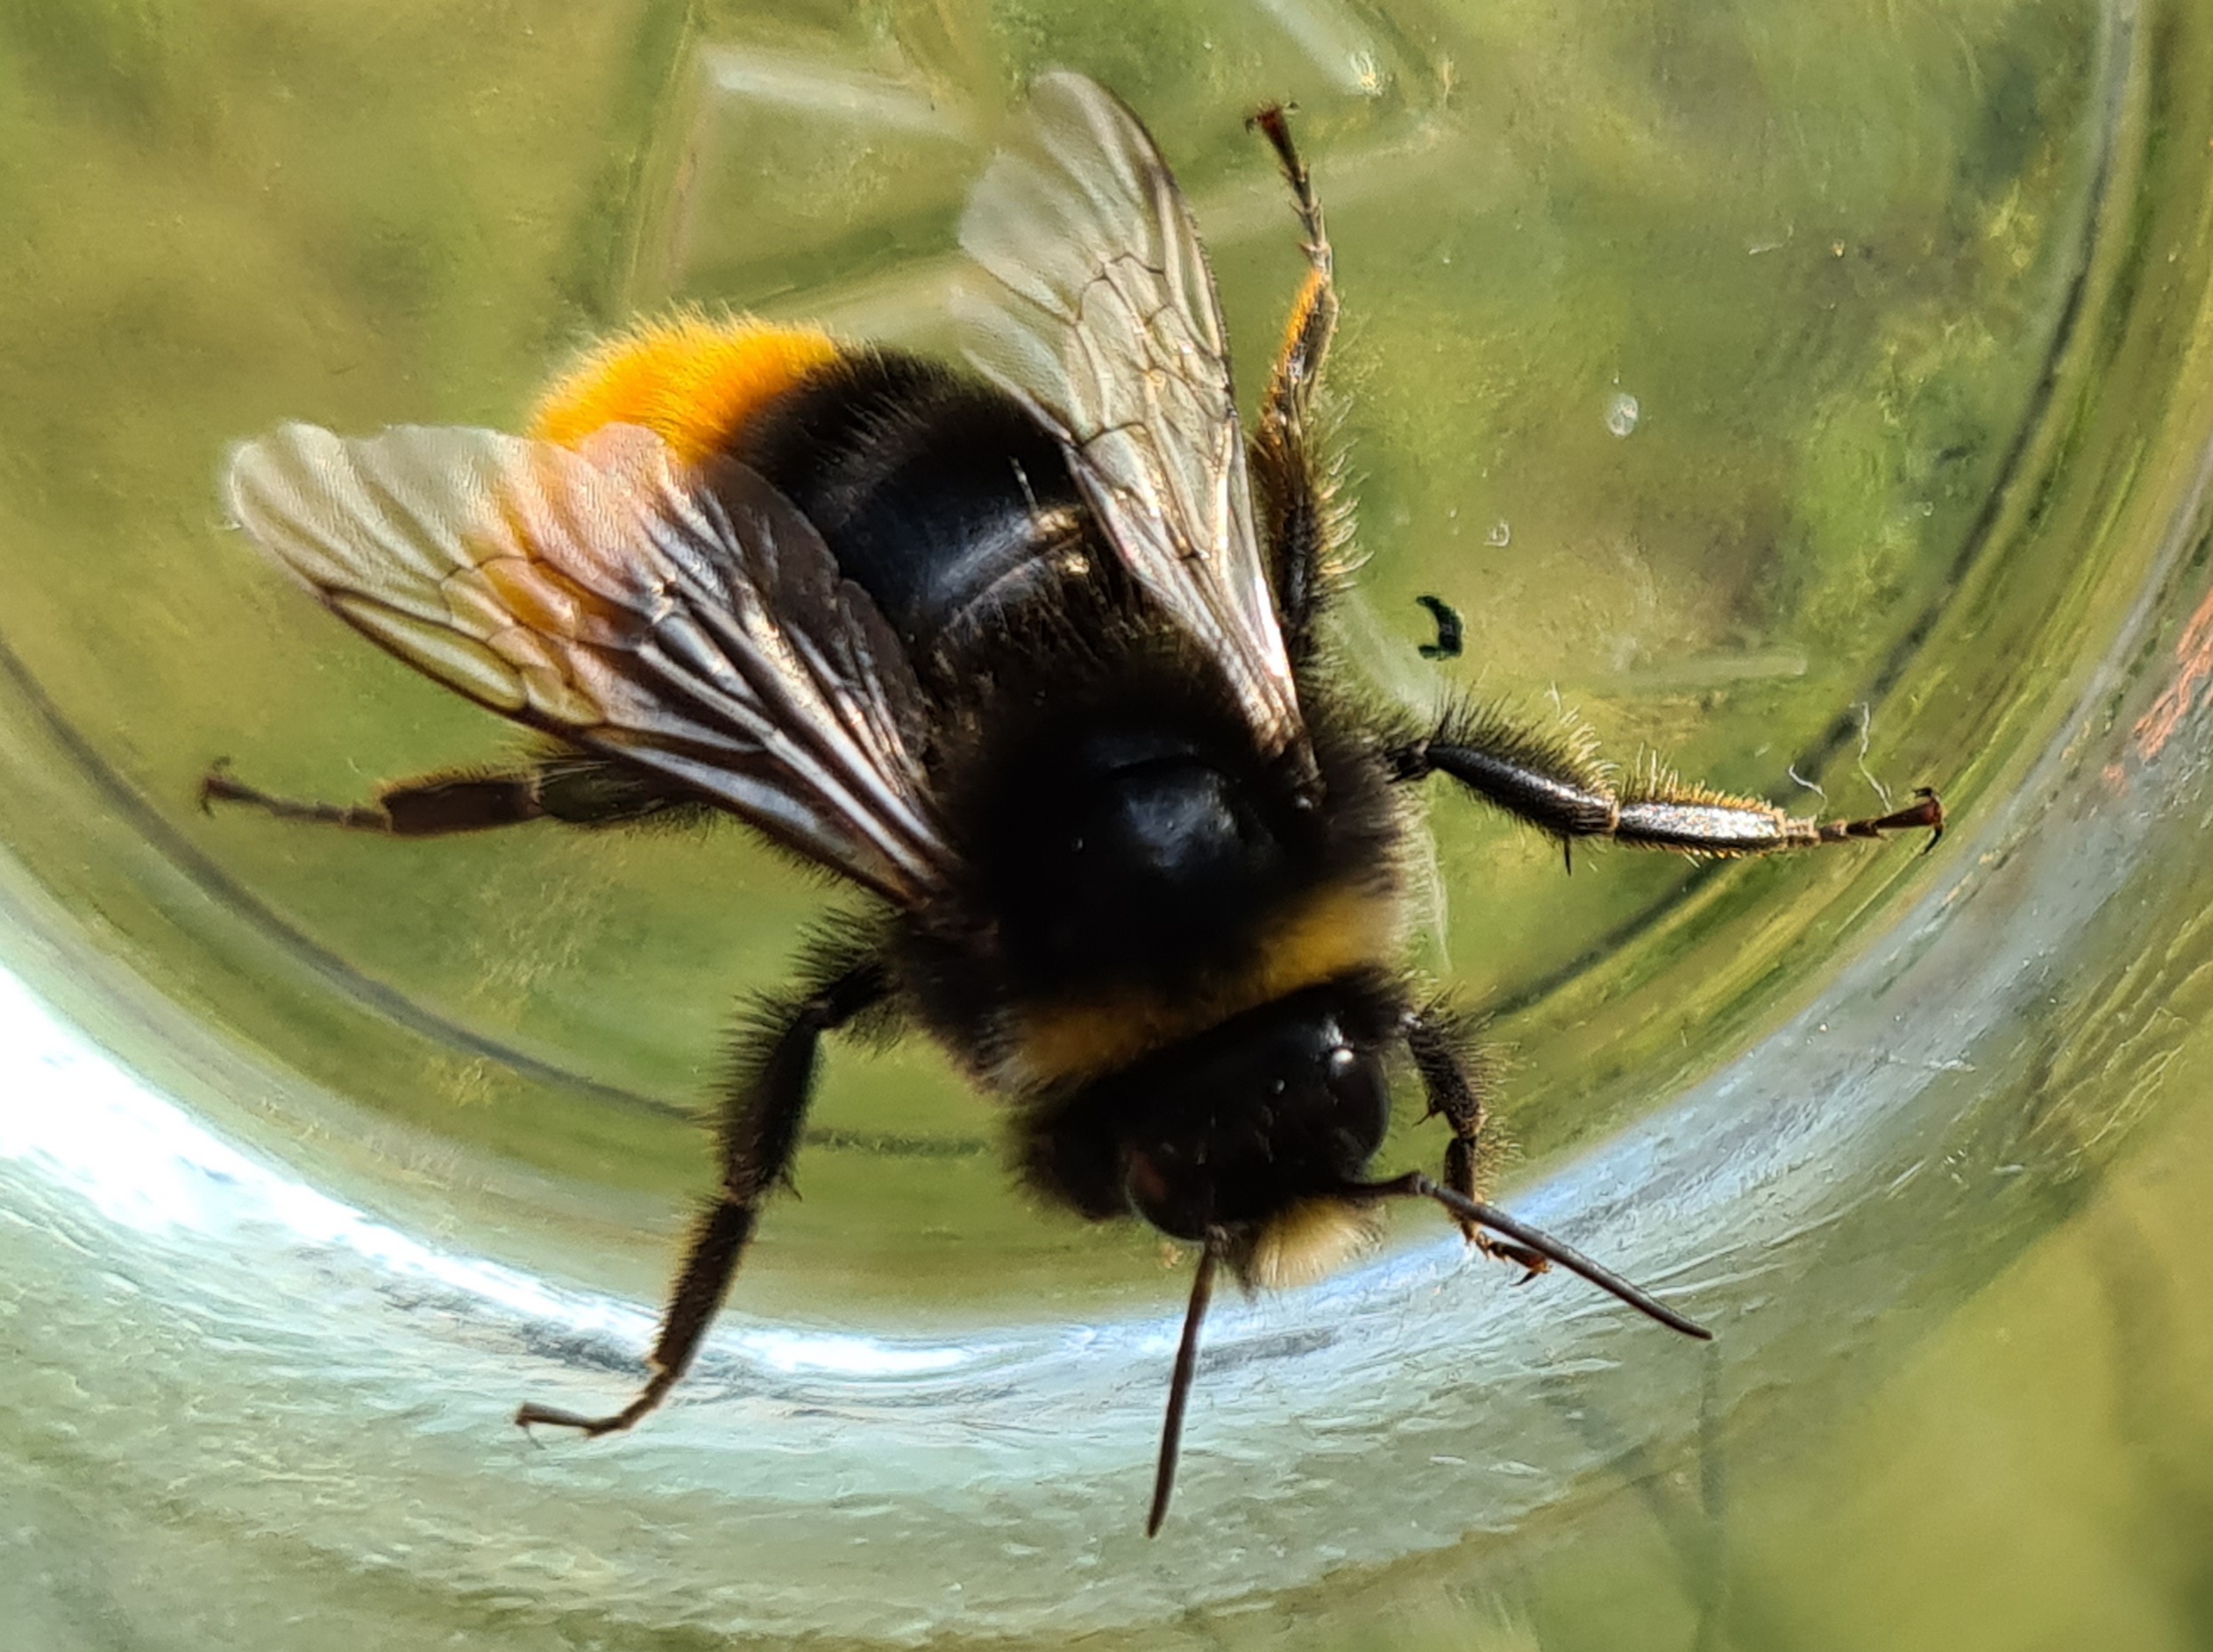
(1443, 1045)
(575, 787)
(1558, 785)
(759, 1128)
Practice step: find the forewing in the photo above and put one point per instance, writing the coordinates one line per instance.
(1093, 303)
(608, 595)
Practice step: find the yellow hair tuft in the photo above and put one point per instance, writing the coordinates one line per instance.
(1309, 1241)
(690, 381)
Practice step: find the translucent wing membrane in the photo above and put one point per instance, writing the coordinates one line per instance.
(1095, 306)
(695, 625)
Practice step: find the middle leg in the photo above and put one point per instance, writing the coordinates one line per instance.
(759, 1130)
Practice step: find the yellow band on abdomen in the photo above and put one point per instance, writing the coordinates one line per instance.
(1340, 929)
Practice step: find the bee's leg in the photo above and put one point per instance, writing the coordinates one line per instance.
(575, 787)
(1294, 485)
(758, 1130)
(1558, 785)
(1532, 1242)
(1441, 1040)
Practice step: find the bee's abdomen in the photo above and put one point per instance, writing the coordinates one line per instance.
(939, 496)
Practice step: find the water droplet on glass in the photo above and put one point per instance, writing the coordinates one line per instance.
(1622, 413)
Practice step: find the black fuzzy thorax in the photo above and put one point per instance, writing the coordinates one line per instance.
(940, 495)
(1119, 831)
(1122, 831)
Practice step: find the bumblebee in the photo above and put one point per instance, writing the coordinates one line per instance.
(1028, 653)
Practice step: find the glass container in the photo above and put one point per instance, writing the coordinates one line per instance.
(1814, 398)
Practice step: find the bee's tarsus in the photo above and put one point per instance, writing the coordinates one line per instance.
(1935, 804)
(1558, 787)
(1414, 1184)
(218, 786)
(211, 785)
(1925, 813)
(576, 788)
(1531, 1261)
(530, 1415)
(1445, 1054)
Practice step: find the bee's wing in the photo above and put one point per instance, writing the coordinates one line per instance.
(1095, 306)
(695, 626)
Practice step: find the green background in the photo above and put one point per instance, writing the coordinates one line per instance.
(1911, 301)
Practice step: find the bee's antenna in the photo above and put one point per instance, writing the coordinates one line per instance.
(1180, 1388)
(1416, 1186)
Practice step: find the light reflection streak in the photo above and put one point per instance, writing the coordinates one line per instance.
(144, 1164)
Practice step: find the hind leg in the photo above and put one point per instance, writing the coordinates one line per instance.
(574, 788)
(1294, 487)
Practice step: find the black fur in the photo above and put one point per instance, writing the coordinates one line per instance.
(1119, 828)
(1120, 831)
(1287, 1101)
(940, 496)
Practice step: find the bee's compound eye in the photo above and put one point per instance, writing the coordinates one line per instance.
(1340, 1062)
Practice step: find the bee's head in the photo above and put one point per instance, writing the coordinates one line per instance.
(1243, 1135)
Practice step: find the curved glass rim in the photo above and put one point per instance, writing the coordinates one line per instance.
(1348, 1408)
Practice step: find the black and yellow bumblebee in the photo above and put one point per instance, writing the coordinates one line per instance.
(1030, 654)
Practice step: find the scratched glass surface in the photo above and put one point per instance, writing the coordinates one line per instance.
(1811, 397)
